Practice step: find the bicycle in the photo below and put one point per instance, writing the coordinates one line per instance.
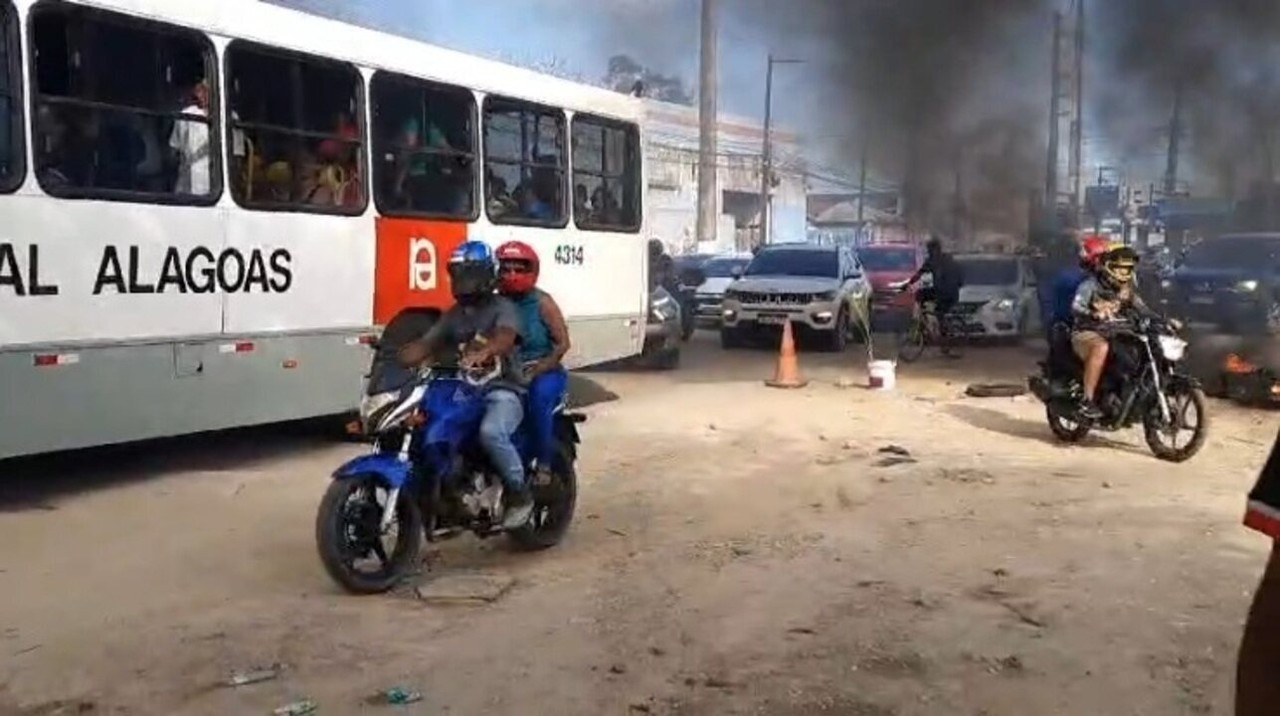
(927, 328)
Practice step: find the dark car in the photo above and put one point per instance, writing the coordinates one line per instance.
(1229, 284)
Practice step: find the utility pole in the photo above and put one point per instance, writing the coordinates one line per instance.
(862, 181)
(766, 154)
(708, 179)
(958, 208)
(1077, 123)
(1055, 111)
(1175, 135)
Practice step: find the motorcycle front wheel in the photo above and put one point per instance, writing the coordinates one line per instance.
(1066, 426)
(1185, 404)
(348, 535)
(553, 507)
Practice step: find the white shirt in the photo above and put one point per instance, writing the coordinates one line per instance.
(191, 140)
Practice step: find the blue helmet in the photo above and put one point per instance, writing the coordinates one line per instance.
(473, 272)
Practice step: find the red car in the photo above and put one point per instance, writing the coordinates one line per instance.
(886, 264)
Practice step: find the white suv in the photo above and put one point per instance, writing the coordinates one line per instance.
(821, 290)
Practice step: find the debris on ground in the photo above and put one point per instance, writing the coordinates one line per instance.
(995, 390)
(895, 460)
(894, 450)
(464, 588)
(297, 708)
(394, 696)
(255, 675)
(618, 669)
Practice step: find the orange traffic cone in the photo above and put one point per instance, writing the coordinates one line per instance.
(788, 373)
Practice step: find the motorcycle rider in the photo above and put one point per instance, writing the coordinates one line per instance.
(486, 328)
(544, 342)
(947, 275)
(1101, 302)
(662, 268)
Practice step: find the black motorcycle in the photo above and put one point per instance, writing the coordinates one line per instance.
(1143, 383)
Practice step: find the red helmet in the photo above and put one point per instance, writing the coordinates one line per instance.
(517, 267)
(1092, 249)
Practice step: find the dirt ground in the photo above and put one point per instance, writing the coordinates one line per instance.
(738, 550)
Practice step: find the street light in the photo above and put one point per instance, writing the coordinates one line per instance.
(766, 164)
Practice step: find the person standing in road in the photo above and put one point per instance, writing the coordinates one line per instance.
(1258, 663)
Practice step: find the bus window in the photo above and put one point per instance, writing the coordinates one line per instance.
(424, 148)
(11, 148)
(294, 132)
(606, 174)
(121, 107)
(524, 155)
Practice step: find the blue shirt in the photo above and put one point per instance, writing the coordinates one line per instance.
(1064, 294)
(535, 334)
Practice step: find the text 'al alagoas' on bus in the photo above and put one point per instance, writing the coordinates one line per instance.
(124, 270)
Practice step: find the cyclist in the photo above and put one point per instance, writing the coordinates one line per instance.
(947, 277)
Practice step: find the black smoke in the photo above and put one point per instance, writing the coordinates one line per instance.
(1223, 57)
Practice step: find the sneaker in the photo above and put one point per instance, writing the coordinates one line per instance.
(542, 477)
(1089, 411)
(519, 508)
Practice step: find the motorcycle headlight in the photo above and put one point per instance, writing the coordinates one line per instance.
(663, 309)
(1247, 286)
(373, 408)
(1172, 348)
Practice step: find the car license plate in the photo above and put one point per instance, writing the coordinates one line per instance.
(1202, 300)
(772, 319)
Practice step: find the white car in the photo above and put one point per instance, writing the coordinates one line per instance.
(720, 271)
(999, 297)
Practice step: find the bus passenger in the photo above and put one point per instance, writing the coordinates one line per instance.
(544, 343)
(190, 139)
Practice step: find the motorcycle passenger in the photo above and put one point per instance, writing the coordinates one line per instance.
(544, 342)
(947, 279)
(1069, 279)
(486, 328)
(1063, 295)
(1101, 302)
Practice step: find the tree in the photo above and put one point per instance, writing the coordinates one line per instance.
(625, 73)
(552, 65)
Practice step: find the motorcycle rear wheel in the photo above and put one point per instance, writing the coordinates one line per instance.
(345, 535)
(553, 508)
(1154, 431)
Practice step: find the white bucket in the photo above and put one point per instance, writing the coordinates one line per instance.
(882, 374)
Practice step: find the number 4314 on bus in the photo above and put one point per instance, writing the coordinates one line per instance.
(569, 254)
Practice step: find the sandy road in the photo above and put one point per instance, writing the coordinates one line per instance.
(738, 550)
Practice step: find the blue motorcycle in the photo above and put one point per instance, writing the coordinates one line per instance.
(428, 476)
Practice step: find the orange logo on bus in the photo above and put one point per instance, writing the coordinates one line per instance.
(407, 273)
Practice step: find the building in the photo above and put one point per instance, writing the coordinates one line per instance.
(672, 156)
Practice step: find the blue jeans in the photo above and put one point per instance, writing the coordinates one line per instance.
(503, 412)
(545, 393)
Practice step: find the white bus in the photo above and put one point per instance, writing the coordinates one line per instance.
(208, 209)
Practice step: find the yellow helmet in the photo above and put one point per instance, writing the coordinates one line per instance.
(1118, 265)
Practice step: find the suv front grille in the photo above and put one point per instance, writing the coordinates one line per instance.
(793, 299)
